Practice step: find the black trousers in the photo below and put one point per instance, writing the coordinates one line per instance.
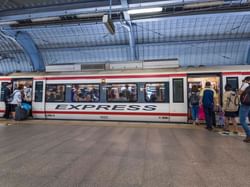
(7, 110)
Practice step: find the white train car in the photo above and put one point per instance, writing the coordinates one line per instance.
(129, 95)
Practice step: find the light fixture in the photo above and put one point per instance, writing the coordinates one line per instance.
(145, 10)
(45, 19)
(108, 23)
(89, 15)
(8, 22)
(204, 4)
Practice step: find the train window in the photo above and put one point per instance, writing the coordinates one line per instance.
(85, 93)
(3, 86)
(155, 92)
(39, 91)
(178, 94)
(121, 92)
(233, 81)
(55, 93)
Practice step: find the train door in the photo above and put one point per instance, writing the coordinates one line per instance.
(199, 80)
(3, 84)
(178, 100)
(38, 103)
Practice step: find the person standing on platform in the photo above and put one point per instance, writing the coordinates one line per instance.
(17, 100)
(245, 106)
(208, 101)
(230, 107)
(6, 98)
(194, 104)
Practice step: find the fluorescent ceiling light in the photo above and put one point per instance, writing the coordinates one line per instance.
(204, 4)
(8, 22)
(145, 10)
(89, 15)
(45, 19)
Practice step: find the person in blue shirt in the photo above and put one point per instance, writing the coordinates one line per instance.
(245, 109)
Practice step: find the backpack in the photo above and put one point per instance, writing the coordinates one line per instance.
(233, 102)
(194, 98)
(10, 99)
(245, 97)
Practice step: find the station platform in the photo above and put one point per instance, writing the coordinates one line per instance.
(46, 153)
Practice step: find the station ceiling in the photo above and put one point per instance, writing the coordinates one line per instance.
(72, 31)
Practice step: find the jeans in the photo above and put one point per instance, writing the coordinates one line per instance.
(243, 113)
(195, 111)
(208, 117)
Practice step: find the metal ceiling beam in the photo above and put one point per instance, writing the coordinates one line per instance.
(190, 42)
(29, 47)
(73, 9)
(248, 55)
(129, 27)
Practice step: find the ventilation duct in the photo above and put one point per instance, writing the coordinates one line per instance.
(88, 67)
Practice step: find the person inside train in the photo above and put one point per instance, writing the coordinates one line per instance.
(122, 97)
(126, 92)
(230, 108)
(51, 96)
(153, 97)
(94, 94)
(87, 98)
(112, 96)
(17, 99)
(60, 94)
(7, 99)
(27, 92)
(132, 94)
(245, 106)
(194, 99)
(74, 93)
(208, 100)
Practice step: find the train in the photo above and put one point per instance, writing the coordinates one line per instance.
(156, 95)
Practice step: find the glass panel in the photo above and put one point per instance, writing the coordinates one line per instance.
(122, 92)
(55, 93)
(26, 85)
(3, 86)
(155, 92)
(39, 91)
(233, 81)
(85, 93)
(178, 95)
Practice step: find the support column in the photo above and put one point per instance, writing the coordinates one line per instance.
(129, 26)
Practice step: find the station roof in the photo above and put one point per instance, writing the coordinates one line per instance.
(72, 31)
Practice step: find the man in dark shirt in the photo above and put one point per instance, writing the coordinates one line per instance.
(6, 98)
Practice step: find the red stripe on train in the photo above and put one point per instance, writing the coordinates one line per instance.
(111, 113)
(232, 73)
(236, 73)
(5, 79)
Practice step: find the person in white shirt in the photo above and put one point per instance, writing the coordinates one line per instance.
(17, 100)
(244, 110)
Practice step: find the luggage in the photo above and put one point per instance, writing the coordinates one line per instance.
(21, 114)
(26, 106)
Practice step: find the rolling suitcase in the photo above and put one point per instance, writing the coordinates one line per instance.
(21, 114)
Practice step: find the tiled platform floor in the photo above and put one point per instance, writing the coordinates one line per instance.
(41, 155)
